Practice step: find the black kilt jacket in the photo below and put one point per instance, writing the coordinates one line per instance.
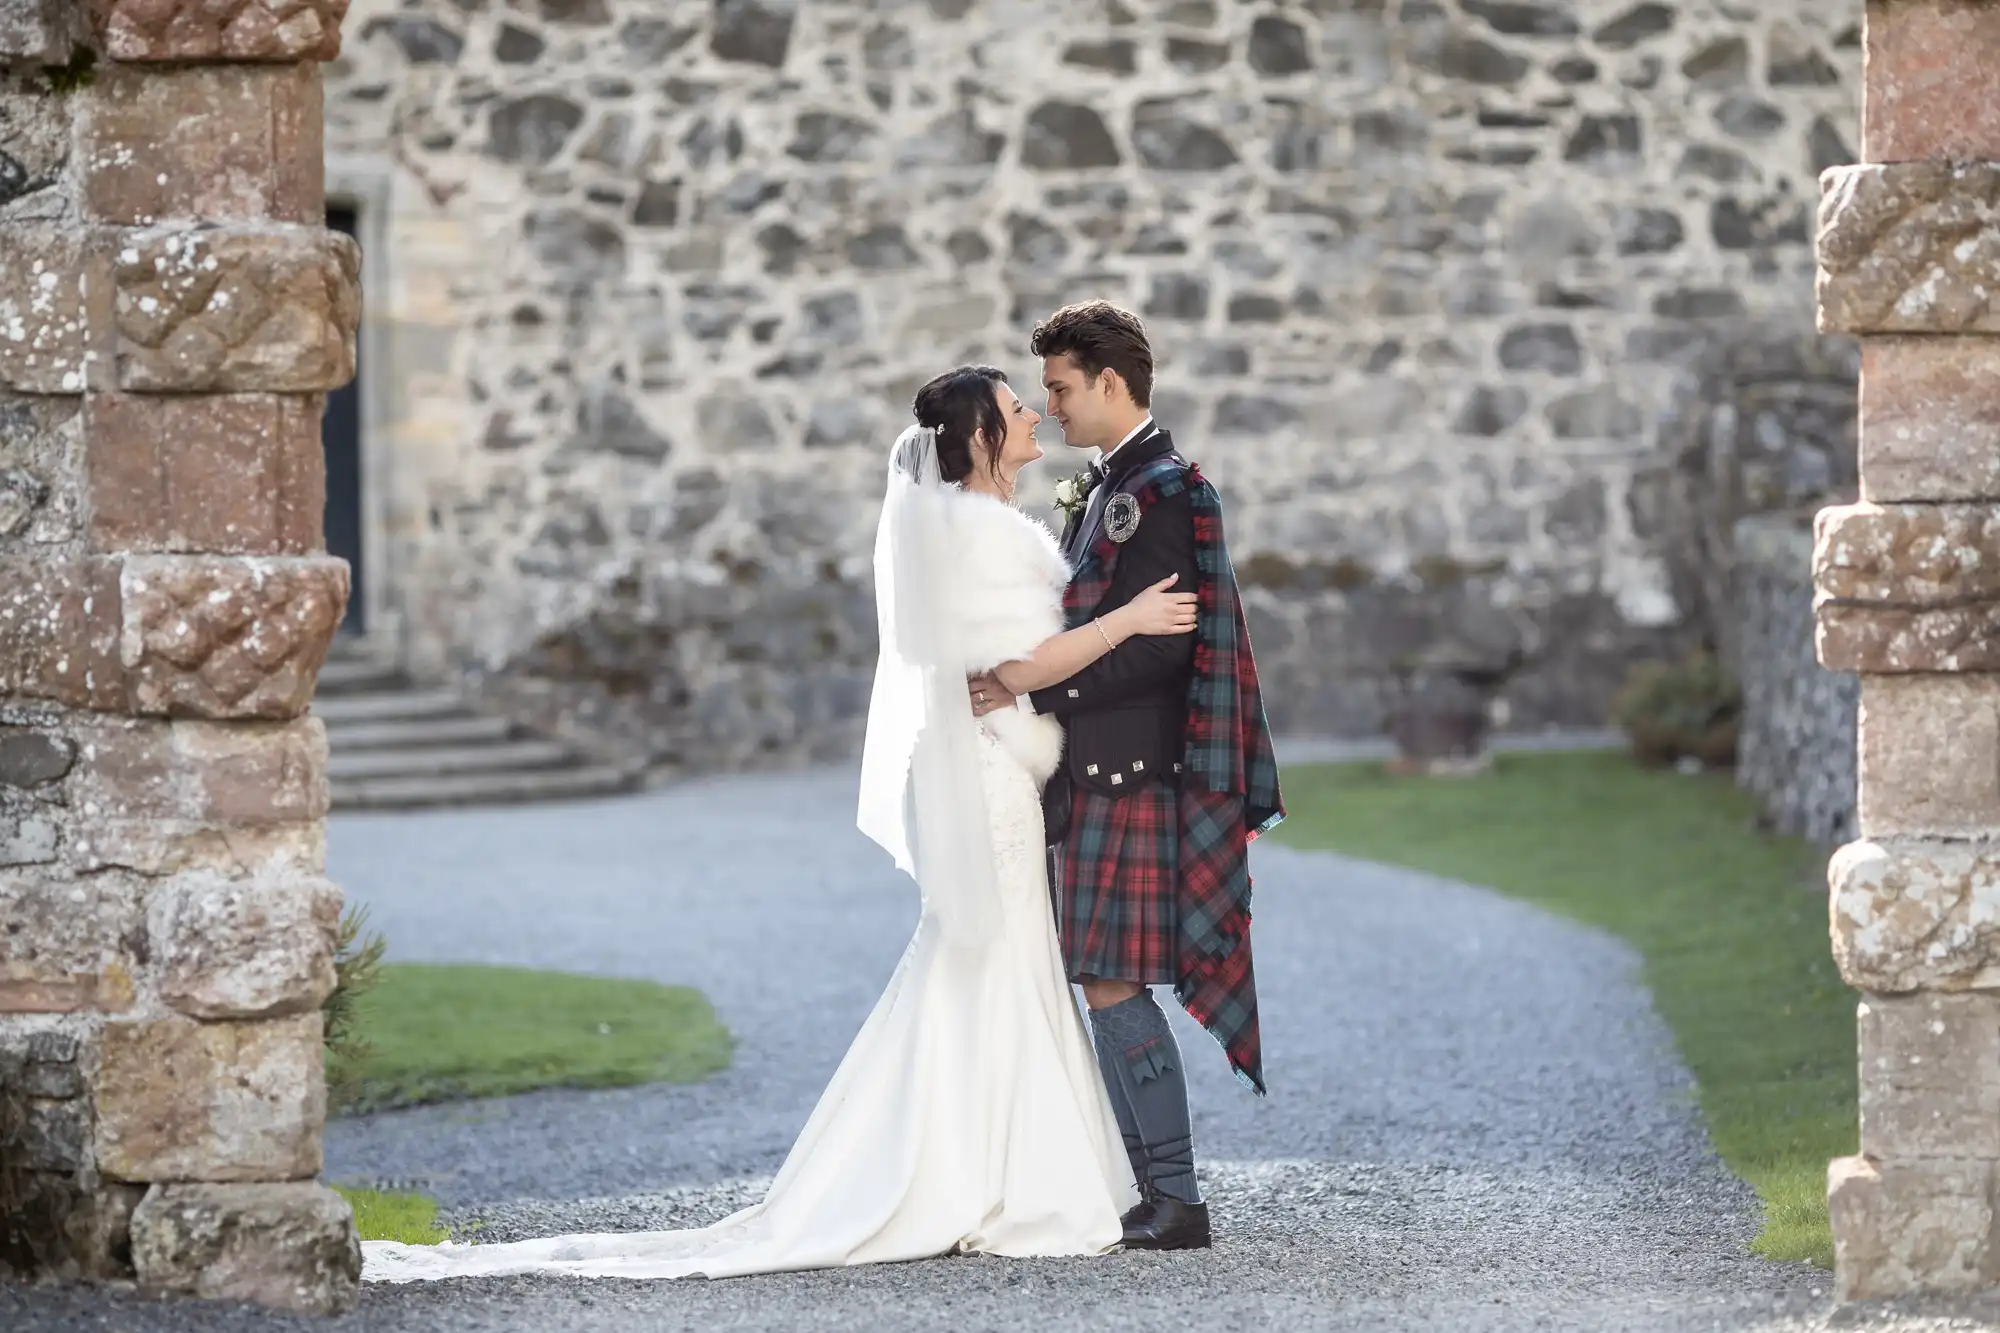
(1110, 808)
(1125, 713)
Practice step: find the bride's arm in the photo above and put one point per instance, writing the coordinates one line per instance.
(1063, 656)
(1059, 658)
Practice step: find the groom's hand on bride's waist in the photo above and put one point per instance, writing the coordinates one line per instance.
(988, 695)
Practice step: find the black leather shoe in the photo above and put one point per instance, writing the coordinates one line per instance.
(1163, 1223)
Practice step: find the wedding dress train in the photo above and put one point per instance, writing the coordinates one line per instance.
(969, 1114)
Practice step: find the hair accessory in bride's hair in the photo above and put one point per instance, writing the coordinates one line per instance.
(915, 456)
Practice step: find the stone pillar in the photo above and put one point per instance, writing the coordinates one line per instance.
(171, 312)
(1908, 595)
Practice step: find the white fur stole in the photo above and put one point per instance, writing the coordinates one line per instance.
(1011, 574)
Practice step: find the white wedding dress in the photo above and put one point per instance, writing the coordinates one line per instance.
(969, 1114)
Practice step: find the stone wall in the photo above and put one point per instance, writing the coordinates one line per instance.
(1796, 748)
(1433, 285)
(1908, 595)
(171, 311)
(1763, 421)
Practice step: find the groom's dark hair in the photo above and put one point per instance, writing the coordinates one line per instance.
(1099, 336)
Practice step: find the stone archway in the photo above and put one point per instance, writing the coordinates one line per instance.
(173, 311)
(1908, 582)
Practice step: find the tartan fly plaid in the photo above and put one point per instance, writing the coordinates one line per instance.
(1229, 782)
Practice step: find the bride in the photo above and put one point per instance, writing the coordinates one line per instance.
(969, 1114)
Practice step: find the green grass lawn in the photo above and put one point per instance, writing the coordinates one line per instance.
(444, 1033)
(383, 1215)
(437, 1033)
(1731, 922)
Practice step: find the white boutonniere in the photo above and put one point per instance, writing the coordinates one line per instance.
(1072, 494)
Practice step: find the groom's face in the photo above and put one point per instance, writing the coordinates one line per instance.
(1080, 405)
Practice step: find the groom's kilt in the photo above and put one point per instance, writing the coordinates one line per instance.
(1116, 882)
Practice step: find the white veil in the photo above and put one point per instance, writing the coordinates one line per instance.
(921, 796)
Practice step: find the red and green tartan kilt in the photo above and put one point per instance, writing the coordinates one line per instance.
(1116, 884)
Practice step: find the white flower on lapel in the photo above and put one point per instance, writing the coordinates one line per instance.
(1072, 493)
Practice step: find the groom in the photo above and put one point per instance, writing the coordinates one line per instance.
(1167, 774)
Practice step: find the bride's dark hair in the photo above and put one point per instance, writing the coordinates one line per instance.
(958, 405)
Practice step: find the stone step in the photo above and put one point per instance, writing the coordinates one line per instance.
(417, 733)
(351, 648)
(357, 675)
(397, 706)
(448, 760)
(409, 793)
(395, 744)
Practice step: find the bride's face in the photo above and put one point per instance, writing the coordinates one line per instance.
(1020, 447)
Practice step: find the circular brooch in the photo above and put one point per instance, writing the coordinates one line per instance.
(1121, 517)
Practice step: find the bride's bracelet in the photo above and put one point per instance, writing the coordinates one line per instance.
(1109, 646)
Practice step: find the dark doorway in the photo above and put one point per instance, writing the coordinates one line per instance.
(340, 437)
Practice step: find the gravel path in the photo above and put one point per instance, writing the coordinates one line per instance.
(1477, 1121)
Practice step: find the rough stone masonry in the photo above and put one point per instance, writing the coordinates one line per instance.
(171, 311)
(1796, 751)
(1908, 595)
(1489, 316)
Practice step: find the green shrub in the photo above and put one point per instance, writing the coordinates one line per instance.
(357, 967)
(21, 1231)
(79, 73)
(1689, 709)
